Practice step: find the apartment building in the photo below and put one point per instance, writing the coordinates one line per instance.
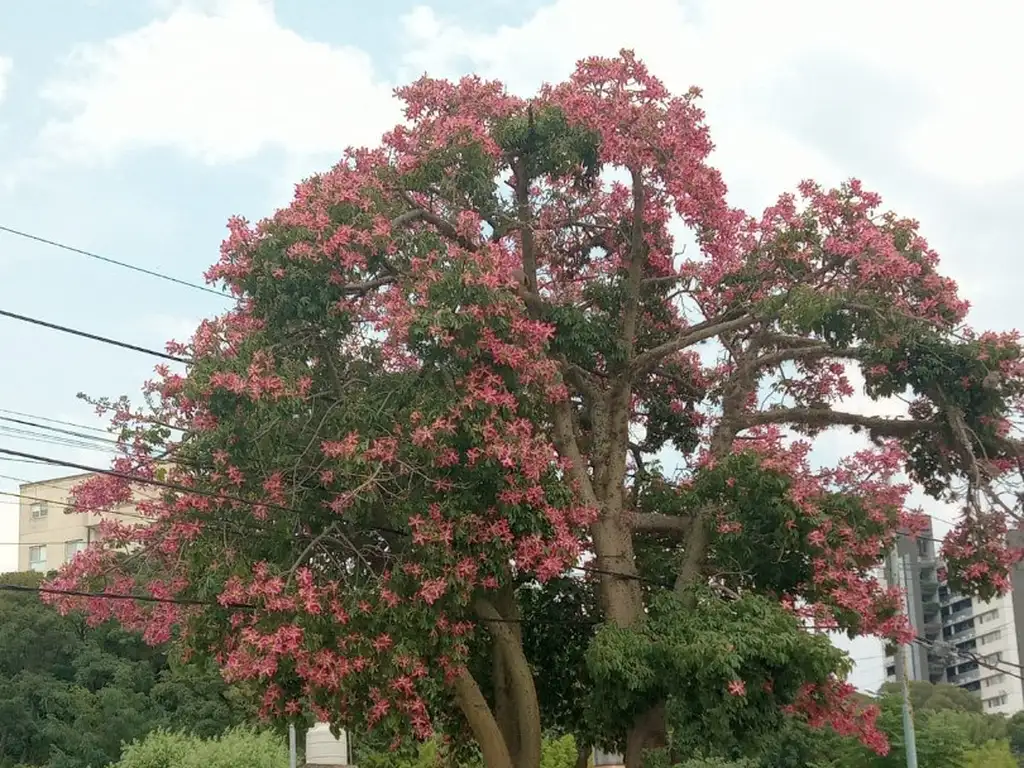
(48, 534)
(967, 642)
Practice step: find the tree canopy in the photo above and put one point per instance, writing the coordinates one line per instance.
(476, 420)
(71, 693)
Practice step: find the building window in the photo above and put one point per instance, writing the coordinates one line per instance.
(994, 680)
(996, 701)
(72, 548)
(39, 510)
(991, 637)
(37, 558)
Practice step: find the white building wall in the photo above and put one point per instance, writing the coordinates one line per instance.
(49, 536)
(995, 626)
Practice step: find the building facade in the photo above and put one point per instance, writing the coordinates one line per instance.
(49, 535)
(963, 641)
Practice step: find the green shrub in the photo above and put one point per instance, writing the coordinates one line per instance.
(236, 748)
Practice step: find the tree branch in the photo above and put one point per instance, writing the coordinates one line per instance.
(309, 548)
(446, 228)
(826, 417)
(811, 351)
(631, 309)
(364, 287)
(726, 323)
(658, 522)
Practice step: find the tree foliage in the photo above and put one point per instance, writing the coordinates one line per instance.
(236, 748)
(71, 693)
(951, 732)
(555, 753)
(453, 364)
(927, 697)
(992, 754)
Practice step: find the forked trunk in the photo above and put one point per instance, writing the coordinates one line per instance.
(509, 733)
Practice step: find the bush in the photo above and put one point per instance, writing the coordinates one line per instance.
(236, 748)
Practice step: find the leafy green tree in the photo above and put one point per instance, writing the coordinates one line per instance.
(1015, 734)
(977, 727)
(71, 694)
(949, 732)
(992, 754)
(236, 748)
(925, 696)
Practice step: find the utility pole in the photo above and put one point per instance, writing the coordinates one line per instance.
(902, 663)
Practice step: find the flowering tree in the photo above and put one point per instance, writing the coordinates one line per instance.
(425, 440)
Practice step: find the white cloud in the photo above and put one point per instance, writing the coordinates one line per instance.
(6, 65)
(962, 62)
(217, 81)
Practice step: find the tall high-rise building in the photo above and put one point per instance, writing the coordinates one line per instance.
(962, 641)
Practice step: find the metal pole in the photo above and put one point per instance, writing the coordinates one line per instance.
(902, 662)
(293, 755)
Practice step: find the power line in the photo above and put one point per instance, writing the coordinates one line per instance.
(20, 455)
(23, 588)
(162, 484)
(118, 596)
(60, 430)
(115, 262)
(92, 336)
(237, 499)
(18, 497)
(30, 436)
(66, 423)
(75, 439)
(968, 656)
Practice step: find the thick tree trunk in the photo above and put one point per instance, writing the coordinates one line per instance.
(504, 709)
(516, 705)
(647, 732)
(620, 588)
(481, 721)
(509, 733)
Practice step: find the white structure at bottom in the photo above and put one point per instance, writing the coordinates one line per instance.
(322, 749)
(606, 760)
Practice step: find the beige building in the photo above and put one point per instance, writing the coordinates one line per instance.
(49, 534)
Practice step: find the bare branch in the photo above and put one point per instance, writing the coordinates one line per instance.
(631, 310)
(309, 548)
(364, 287)
(583, 379)
(648, 361)
(658, 522)
(564, 438)
(446, 228)
(826, 417)
(809, 351)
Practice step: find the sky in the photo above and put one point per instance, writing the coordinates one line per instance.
(135, 128)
